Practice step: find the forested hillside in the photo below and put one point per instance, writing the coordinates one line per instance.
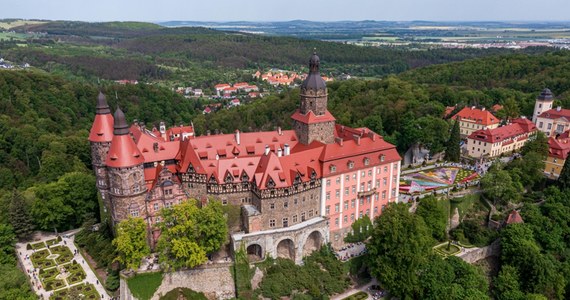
(130, 50)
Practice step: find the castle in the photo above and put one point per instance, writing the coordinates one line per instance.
(297, 189)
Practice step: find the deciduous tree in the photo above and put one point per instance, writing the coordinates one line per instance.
(131, 242)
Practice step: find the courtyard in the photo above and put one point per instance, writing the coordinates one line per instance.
(57, 270)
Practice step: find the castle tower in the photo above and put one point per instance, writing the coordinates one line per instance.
(100, 138)
(543, 103)
(312, 121)
(126, 174)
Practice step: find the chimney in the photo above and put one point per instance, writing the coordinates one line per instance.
(287, 150)
(142, 126)
(237, 137)
(338, 140)
(371, 135)
(266, 150)
(558, 108)
(279, 152)
(136, 122)
(279, 132)
(357, 139)
(208, 132)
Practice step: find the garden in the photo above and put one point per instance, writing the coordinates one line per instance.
(40, 259)
(64, 254)
(435, 179)
(82, 291)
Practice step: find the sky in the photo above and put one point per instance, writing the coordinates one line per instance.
(284, 10)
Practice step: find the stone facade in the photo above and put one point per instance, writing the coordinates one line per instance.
(215, 281)
(127, 192)
(322, 132)
(292, 242)
(481, 253)
(315, 101)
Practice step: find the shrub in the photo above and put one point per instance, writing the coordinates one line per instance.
(112, 282)
(29, 247)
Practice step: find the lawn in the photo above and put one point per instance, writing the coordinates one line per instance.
(183, 293)
(143, 286)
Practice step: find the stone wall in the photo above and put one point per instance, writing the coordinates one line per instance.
(296, 208)
(481, 253)
(215, 281)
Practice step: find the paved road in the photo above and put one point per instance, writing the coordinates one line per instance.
(27, 263)
(363, 288)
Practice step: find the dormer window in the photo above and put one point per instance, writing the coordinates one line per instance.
(212, 179)
(350, 164)
(229, 178)
(366, 161)
(382, 157)
(244, 177)
(332, 168)
(313, 174)
(270, 183)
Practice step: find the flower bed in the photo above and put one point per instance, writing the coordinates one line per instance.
(76, 273)
(40, 260)
(38, 246)
(65, 254)
(51, 242)
(53, 284)
(87, 290)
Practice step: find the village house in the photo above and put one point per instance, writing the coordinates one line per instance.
(472, 119)
(558, 149)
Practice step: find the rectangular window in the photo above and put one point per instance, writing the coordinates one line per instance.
(352, 203)
(272, 223)
(352, 217)
(393, 192)
(328, 182)
(384, 181)
(346, 191)
(272, 205)
(295, 219)
(362, 187)
(549, 126)
(338, 180)
(336, 207)
(383, 195)
(168, 204)
(310, 213)
(354, 189)
(369, 185)
(377, 183)
(347, 178)
(360, 214)
(155, 206)
(363, 174)
(285, 222)
(385, 168)
(302, 217)
(369, 172)
(294, 201)
(345, 205)
(327, 210)
(540, 125)
(354, 176)
(328, 195)
(134, 212)
(337, 193)
(285, 204)
(375, 209)
(224, 201)
(361, 200)
(336, 222)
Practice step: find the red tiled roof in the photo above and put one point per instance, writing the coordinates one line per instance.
(514, 217)
(448, 110)
(559, 146)
(311, 118)
(102, 128)
(123, 152)
(221, 86)
(483, 117)
(497, 107)
(517, 127)
(555, 114)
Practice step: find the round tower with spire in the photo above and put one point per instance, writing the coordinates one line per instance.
(126, 174)
(100, 138)
(313, 122)
(543, 102)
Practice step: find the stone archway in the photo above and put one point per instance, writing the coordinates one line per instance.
(254, 252)
(286, 249)
(313, 243)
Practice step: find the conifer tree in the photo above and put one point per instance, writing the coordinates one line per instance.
(453, 151)
(19, 217)
(564, 178)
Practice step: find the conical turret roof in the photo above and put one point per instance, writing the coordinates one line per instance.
(123, 151)
(102, 128)
(314, 81)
